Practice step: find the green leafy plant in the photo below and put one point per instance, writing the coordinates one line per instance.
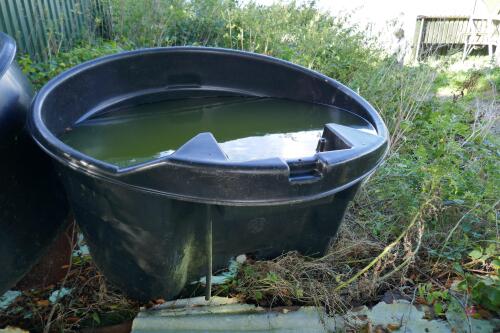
(41, 72)
(438, 299)
(483, 289)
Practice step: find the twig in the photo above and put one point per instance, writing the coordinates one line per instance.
(407, 260)
(383, 253)
(409, 310)
(46, 329)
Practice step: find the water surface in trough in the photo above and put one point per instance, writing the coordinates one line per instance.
(246, 128)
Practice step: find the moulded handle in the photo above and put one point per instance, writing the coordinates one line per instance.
(347, 149)
(344, 143)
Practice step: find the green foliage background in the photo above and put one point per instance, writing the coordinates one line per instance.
(445, 153)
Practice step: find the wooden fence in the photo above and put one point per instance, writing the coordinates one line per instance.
(433, 33)
(42, 27)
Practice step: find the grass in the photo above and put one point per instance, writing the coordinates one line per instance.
(425, 224)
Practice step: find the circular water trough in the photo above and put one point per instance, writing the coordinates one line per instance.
(158, 224)
(33, 206)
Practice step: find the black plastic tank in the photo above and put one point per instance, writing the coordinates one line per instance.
(155, 225)
(33, 205)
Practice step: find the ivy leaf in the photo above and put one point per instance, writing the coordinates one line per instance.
(95, 317)
(475, 254)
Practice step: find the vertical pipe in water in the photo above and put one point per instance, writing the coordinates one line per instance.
(208, 288)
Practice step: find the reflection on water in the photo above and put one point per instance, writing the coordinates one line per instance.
(285, 145)
(246, 128)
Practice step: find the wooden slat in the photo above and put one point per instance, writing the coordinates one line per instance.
(71, 16)
(434, 32)
(419, 40)
(451, 31)
(39, 12)
(5, 17)
(455, 28)
(447, 33)
(67, 16)
(14, 19)
(78, 12)
(416, 40)
(461, 26)
(440, 37)
(62, 20)
(33, 25)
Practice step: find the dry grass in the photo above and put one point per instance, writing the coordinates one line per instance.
(289, 280)
(356, 270)
(92, 302)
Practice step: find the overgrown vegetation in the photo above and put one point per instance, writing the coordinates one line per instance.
(425, 224)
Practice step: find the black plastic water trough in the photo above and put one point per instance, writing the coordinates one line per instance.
(32, 205)
(158, 225)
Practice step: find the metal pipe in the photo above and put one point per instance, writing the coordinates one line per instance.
(208, 287)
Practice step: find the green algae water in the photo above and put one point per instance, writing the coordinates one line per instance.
(246, 128)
